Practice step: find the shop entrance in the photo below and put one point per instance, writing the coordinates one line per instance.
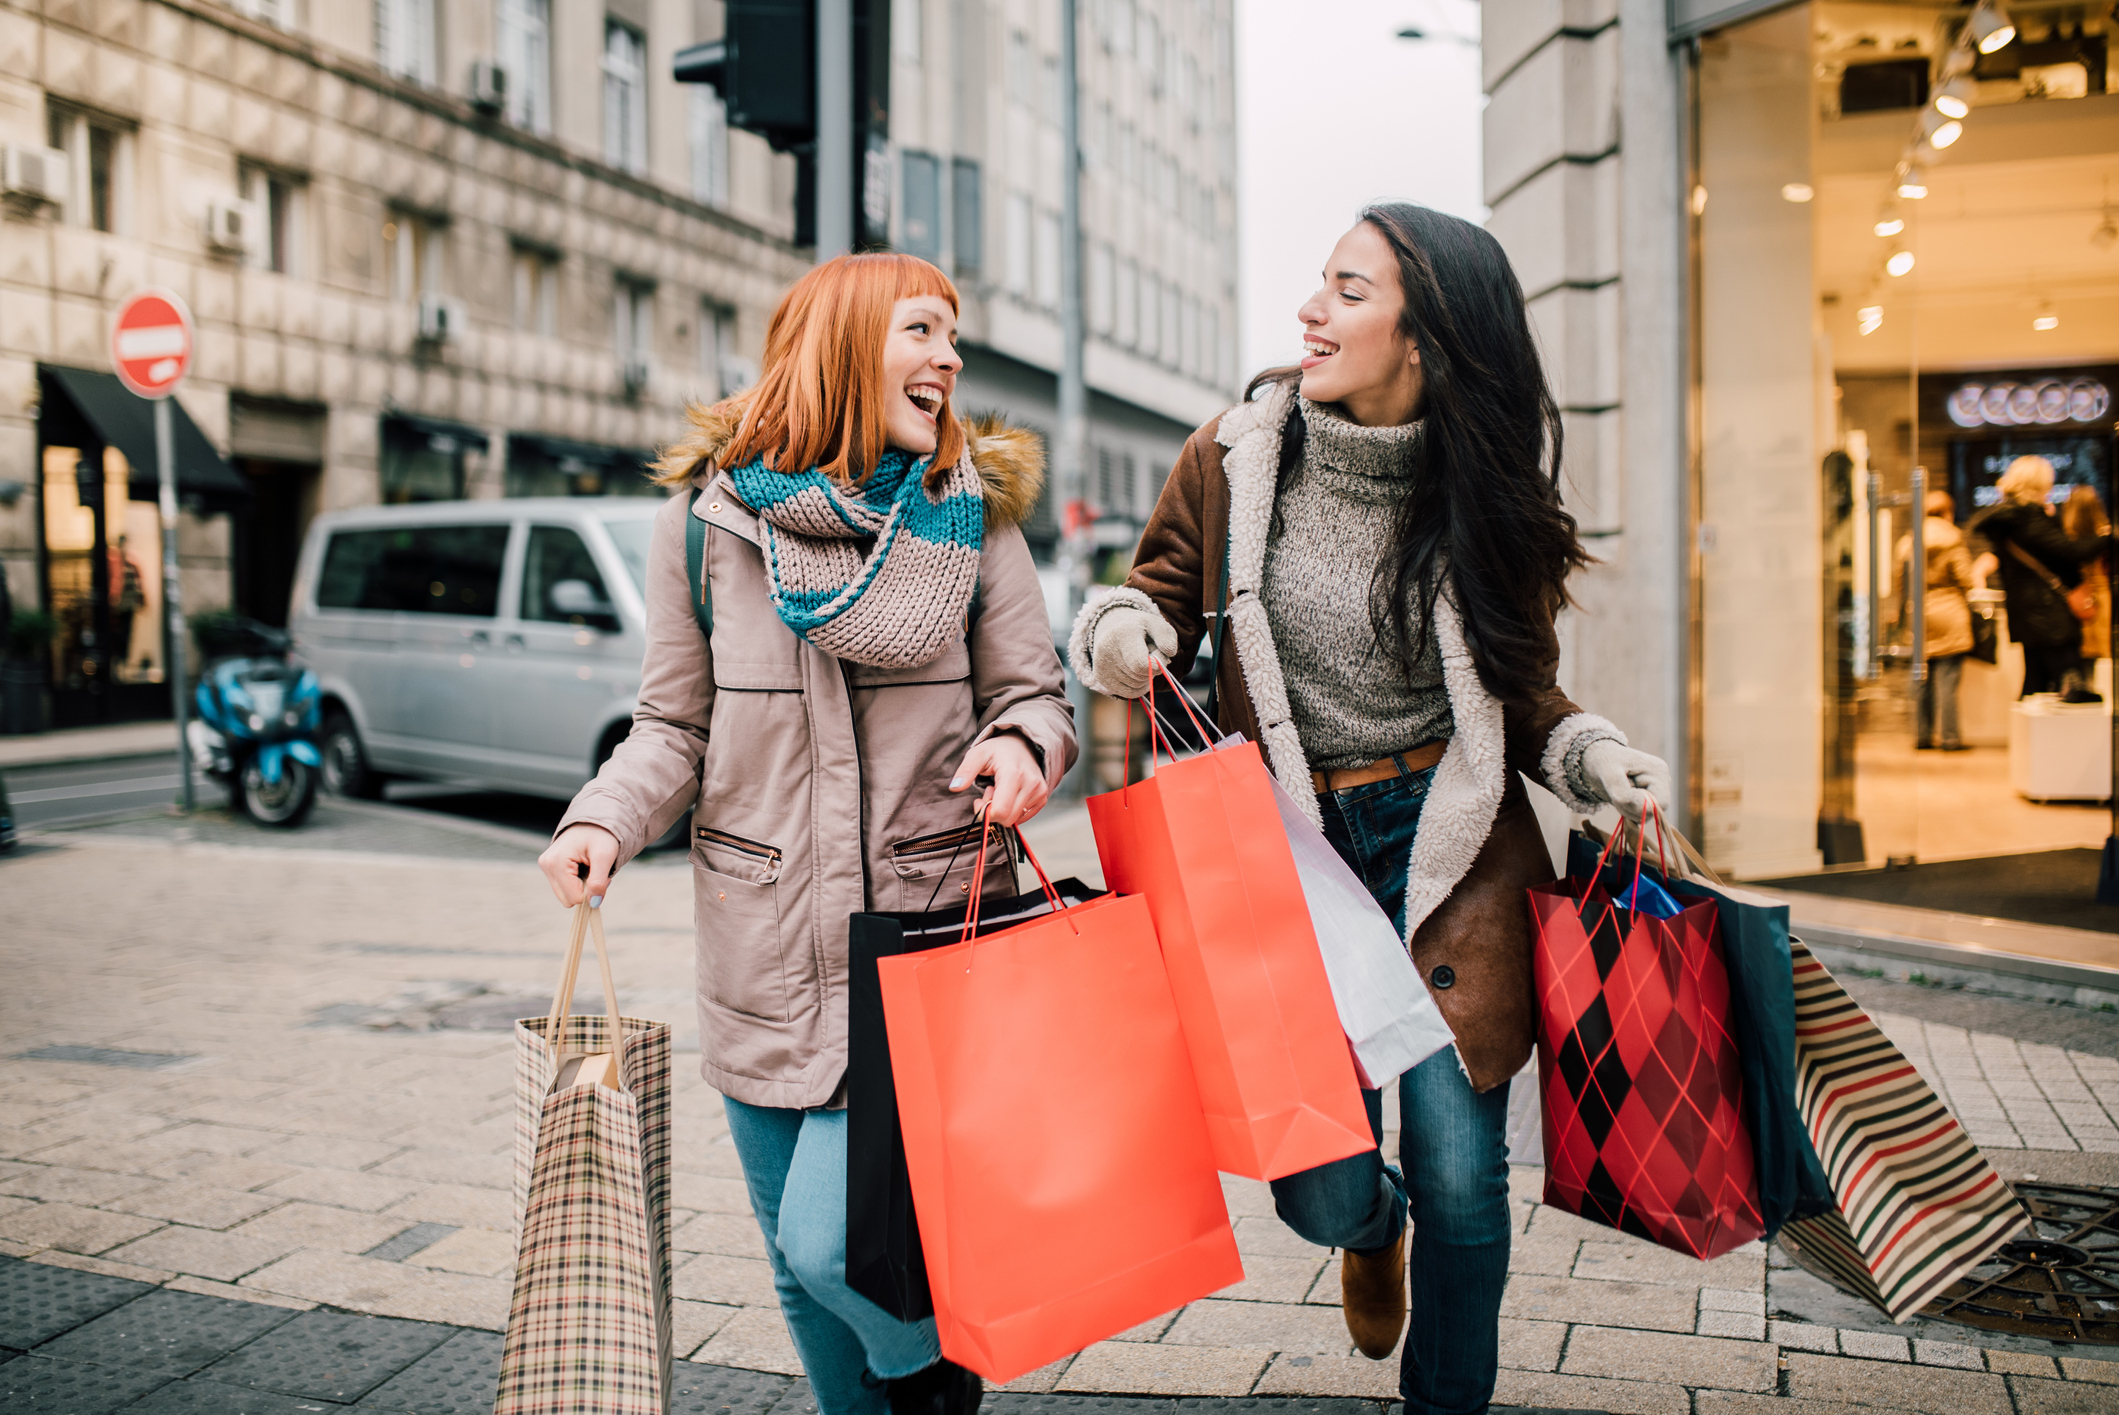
(1909, 280)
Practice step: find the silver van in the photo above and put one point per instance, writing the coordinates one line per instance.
(493, 642)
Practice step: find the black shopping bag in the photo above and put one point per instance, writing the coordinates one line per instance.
(883, 1258)
(1754, 936)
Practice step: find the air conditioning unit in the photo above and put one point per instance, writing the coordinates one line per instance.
(489, 86)
(440, 318)
(635, 373)
(232, 226)
(35, 173)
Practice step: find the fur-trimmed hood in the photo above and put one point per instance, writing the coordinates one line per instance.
(1010, 460)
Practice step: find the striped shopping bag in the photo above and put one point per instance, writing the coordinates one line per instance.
(1919, 1206)
(589, 1325)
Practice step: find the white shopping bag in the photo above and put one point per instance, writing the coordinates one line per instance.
(1384, 1006)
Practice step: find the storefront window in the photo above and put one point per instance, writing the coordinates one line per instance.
(108, 631)
(421, 464)
(1900, 291)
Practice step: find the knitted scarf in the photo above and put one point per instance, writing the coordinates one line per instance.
(880, 574)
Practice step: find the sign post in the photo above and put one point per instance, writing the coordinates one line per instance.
(150, 346)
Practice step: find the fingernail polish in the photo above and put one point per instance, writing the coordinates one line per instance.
(595, 901)
(956, 783)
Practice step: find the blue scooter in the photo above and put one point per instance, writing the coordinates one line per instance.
(257, 723)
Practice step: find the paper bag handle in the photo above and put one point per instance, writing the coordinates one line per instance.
(587, 919)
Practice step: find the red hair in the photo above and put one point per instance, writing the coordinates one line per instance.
(819, 400)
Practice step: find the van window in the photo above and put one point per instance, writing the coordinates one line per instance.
(631, 536)
(558, 557)
(415, 570)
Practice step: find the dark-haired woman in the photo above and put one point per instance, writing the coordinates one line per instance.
(1385, 523)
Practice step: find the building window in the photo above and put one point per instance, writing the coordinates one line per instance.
(1128, 303)
(922, 233)
(404, 38)
(278, 200)
(536, 301)
(906, 39)
(412, 248)
(624, 97)
(524, 45)
(1048, 259)
(272, 12)
(99, 168)
(969, 216)
(633, 328)
(707, 119)
(1172, 341)
(1101, 273)
(1151, 310)
(1022, 68)
(1018, 269)
(727, 372)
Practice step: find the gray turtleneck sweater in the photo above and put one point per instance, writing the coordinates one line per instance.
(1353, 701)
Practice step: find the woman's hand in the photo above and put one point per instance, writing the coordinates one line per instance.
(1018, 791)
(1627, 778)
(575, 846)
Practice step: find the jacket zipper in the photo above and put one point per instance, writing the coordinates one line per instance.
(860, 779)
(752, 848)
(935, 843)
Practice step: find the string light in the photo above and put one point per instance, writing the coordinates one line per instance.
(1900, 262)
(1890, 226)
(1954, 99)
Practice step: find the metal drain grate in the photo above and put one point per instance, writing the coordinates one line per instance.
(2058, 1281)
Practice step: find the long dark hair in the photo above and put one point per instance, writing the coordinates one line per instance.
(1485, 498)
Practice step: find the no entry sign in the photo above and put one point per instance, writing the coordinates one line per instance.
(150, 342)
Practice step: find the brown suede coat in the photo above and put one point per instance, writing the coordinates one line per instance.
(1466, 898)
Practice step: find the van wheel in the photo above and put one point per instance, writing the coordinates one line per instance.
(346, 769)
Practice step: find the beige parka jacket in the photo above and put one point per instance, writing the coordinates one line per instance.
(817, 788)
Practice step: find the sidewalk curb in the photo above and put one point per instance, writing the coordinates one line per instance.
(1974, 969)
(72, 745)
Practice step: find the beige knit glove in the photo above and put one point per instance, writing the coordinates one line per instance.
(1120, 651)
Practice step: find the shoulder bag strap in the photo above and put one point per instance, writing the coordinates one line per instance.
(695, 566)
(2038, 568)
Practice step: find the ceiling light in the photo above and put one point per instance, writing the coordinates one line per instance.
(1870, 318)
(1913, 187)
(1991, 28)
(2046, 321)
(1797, 192)
(1890, 226)
(1954, 99)
(1940, 131)
(1900, 262)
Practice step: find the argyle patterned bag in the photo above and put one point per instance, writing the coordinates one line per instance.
(1638, 1069)
(589, 1327)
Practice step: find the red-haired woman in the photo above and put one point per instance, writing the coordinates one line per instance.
(879, 642)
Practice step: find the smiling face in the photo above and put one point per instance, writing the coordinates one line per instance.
(1353, 352)
(920, 366)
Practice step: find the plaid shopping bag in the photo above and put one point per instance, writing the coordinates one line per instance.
(589, 1325)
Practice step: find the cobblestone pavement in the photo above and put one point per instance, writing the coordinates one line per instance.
(280, 1075)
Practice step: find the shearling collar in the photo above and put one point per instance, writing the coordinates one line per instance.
(1010, 460)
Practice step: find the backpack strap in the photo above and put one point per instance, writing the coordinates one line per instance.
(695, 566)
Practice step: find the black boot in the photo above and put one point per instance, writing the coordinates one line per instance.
(945, 1388)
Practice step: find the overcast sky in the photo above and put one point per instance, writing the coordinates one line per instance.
(1333, 111)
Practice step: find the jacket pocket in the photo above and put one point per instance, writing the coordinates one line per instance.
(941, 868)
(736, 897)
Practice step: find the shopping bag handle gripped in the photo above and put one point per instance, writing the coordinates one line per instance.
(978, 884)
(1640, 835)
(588, 918)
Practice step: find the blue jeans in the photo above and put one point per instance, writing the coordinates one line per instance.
(1452, 1142)
(794, 1162)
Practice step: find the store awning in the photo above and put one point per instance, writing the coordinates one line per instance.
(415, 427)
(82, 406)
(589, 454)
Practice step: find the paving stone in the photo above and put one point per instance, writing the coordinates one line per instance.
(711, 1194)
(1680, 1360)
(77, 1230)
(460, 1205)
(693, 1322)
(431, 1166)
(1330, 1375)
(82, 1263)
(329, 1355)
(755, 1339)
(1882, 1383)
(1740, 1326)
(1635, 1260)
(698, 1389)
(414, 1240)
(60, 1184)
(1136, 1368)
(223, 1139)
(1650, 1306)
(457, 1377)
(1804, 1336)
(2020, 1363)
(470, 1250)
(1722, 1299)
(1270, 1238)
(1543, 1391)
(1325, 1290)
(733, 1235)
(37, 1383)
(321, 1226)
(1247, 1198)
(1873, 1345)
(224, 1171)
(175, 1333)
(798, 1399)
(38, 1302)
(1549, 1254)
(199, 1396)
(1275, 1280)
(1723, 1402)
(710, 1277)
(330, 1152)
(2033, 1396)
(1948, 1353)
(2081, 1369)
(1150, 1330)
(193, 1204)
(1531, 1346)
(206, 1288)
(1273, 1326)
(1038, 1382)
(222, 1256)
(344, 1189)
(387, 1289)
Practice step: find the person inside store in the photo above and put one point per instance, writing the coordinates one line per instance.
(2041, 568)
(1384, 525)
(879, 644)
(1948, 630)
(2082, 517)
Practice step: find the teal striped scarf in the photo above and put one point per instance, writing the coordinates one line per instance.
(882, 573)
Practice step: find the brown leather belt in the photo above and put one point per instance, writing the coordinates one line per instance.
(1420, 758)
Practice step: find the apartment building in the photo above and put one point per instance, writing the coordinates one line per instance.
(434, 249)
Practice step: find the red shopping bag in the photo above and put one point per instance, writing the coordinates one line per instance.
(1202, 840)
(1639, 1072)
(1060, 1169)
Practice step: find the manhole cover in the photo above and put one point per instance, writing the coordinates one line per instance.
(2059, 1280)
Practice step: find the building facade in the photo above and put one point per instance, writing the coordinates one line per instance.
(1797, 266)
